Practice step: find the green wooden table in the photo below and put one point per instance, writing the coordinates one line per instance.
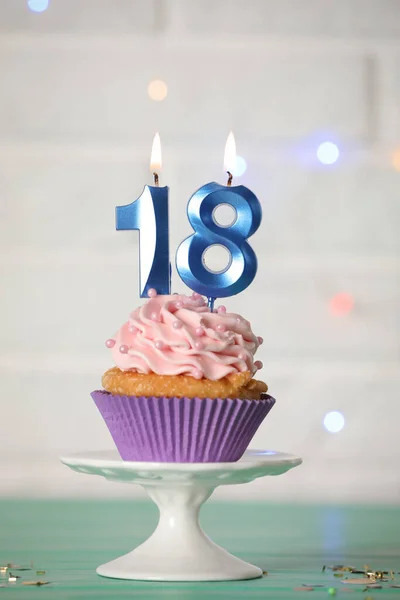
(69, 539)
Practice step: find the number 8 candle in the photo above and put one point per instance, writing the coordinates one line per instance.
(242, 267)
(149, 214)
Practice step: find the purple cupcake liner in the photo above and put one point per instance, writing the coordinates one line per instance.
(162, 429)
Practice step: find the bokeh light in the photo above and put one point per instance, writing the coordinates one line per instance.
(334, 421)
(241, 166)
(327, 153)
(157, 90)
(341, 304)
(38, 5)
(396, 160)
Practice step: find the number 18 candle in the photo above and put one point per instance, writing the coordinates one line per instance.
(149, 214)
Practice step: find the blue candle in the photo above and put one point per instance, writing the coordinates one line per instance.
(242, 268)
(149, 215)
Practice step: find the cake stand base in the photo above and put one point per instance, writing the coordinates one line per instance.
(179, 550)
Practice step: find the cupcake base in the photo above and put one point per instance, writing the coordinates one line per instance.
(162, 429)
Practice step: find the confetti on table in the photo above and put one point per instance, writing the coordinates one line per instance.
(332, 591)
(304, 589)
(365, 571)
(40, 572)
(360, 572)
(342, 568)
(378, 575)
(14, 567)
(358, 581)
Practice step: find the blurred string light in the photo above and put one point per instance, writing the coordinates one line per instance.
(396, 160)
(157, 90)
(240, 167)
(334, 421)
(328, 153)
(341, 304)
(38, 5)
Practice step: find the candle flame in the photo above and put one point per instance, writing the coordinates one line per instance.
(155, 161)
(230, 154)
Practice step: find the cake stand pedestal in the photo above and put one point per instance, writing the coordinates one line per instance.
(179, 550)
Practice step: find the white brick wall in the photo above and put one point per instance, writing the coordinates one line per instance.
(76, 126)
(349, 19)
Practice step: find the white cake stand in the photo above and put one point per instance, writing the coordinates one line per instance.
(179, 550)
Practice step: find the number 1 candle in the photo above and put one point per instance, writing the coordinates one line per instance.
(242, 268)
(149, 214)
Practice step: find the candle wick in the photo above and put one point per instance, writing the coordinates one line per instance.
(230, 177)
(156, 183)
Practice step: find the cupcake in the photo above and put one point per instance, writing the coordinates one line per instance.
(183, 388)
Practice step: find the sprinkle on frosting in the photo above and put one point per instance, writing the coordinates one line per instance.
(162, 337)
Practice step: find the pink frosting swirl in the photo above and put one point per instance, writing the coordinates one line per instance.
(174, 335)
